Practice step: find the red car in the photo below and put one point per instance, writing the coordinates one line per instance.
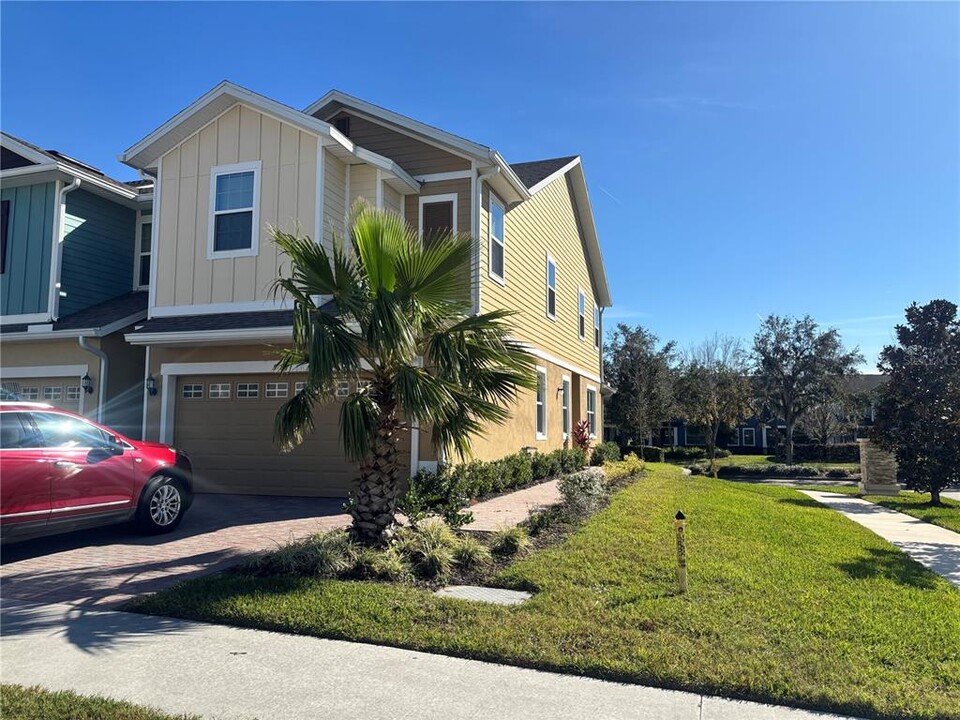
(60, 472)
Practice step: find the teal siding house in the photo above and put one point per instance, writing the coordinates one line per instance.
(74, 268)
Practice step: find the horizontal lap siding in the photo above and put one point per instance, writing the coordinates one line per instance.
(363, 184)
(288, 199)
(392, 199)
(98, 250)
(544, 223)
(334, 198)
(414, 156)
(460, 187)
(25, 286)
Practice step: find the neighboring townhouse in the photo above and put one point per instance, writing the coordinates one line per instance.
(74, 259)
(235, 162)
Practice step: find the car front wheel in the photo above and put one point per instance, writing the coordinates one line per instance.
(162, 505)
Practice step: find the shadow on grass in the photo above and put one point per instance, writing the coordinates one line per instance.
(803, 502)
(892, 565)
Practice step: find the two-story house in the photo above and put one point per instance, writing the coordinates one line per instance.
(73, 257)
(235, 162)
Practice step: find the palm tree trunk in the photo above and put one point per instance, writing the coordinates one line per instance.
(375, 499)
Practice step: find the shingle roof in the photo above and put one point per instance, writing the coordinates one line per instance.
(533, 172)
(866, 383)
(218, 321)
(97, 316)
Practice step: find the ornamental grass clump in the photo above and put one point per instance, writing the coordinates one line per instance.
(508, 542)
(428, 547)
(471, 555)
(381, 564)
(324, 555)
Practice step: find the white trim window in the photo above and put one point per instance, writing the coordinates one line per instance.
(144, 247)
(52, 392)
(551, 288)
(234, 211)
(363, 385)
(749, 437)
(192, 391)
(592, 410)
(497, 257)
(343, 389)
(441, 218)
(29, 393)
(541, 403)
(299, 387)
(582, 313)
(565, 405)
(596, 327)
(219, 391)
(277, 390)
(73, 392)
(248, 390)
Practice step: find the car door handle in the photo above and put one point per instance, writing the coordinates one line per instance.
(64, 464)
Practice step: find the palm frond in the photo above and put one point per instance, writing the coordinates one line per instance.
(358, 424)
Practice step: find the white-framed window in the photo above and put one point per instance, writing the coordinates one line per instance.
(52, 392)
(363, 385)
(144, 247)
(497, 245)
(596, 327)
(541, 403)
(277, 389)
(248, 390)
(192, 391)
(73, 392)
(565, 405)
(219, 391)
(234, 211)
(582, 313)
(343, 388)
(298, 387)
(551, 288)
(29, 393)
(592, 410)
(749, 437)
(735, 437)
(438, 215)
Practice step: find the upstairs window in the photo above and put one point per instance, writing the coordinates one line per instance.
(234, 225)
(496, 239)
(551, 288)
(582, 314)
(4, 223)
(438, 216)
(143, 259)
(596, 327)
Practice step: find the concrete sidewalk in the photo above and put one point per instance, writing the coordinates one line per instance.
(228, 673)
(932, 546)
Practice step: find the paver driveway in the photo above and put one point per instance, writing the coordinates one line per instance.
(110, 565)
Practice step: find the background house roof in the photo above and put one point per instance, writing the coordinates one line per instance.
(534, 172)
(97, 319)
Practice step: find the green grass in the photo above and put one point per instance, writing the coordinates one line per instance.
(789, 603)
(768, 459)
(909, 502)
(20, 703)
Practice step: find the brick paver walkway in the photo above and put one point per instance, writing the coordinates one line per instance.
(112, 564)
(513, 508)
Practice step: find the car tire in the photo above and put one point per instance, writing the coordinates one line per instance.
(162, 505)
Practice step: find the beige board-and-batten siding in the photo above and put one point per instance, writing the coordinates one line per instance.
(546, 224)
(288, 199)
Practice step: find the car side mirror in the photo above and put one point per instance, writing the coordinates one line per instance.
(115, 447)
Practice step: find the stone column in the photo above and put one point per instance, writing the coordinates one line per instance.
(878, 471)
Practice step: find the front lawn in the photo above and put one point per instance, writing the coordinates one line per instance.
(20, 703)
(789, 602)
(909, 502)
(770, 460)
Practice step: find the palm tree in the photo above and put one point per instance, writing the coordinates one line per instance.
(396, 310)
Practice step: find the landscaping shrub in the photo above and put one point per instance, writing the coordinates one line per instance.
(840, 453)
(605, 452)
(837, 473)
(517, 469)
(510, 541)
(428, 547)
(471, 554)
(381, 564)
(694, 453)
(584, 492)
(766, 470)
(324, 554)
(545, 465)
(440, 493)
(630, 465)
(573, 459)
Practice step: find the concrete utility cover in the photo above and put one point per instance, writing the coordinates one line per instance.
(484, 594)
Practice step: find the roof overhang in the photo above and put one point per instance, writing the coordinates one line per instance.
(578, 184)
(211, 337)
(145, 154)
(45, 332)
(511, 187)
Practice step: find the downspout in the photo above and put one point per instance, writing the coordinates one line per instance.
(104, 373)
(477, 205)
(58, 259)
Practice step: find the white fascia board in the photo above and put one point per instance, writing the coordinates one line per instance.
(211, 337)
(40, 333)
(27, 319)
(24, 151)
(598, 272)
(553, 176)
(388, 165)
(32, 371)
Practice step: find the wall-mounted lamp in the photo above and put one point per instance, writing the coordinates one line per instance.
(87, 384)
(151, 384)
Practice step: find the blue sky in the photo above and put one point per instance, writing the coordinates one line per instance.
(743, 159)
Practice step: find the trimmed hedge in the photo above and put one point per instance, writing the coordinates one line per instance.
(693, 453)
(840, 453)
(605, 452)
(775, 470)
(647, 453)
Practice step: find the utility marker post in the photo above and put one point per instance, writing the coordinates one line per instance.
(679, 522)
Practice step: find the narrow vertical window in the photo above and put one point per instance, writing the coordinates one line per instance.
(582, 314)
(234, 227)
(565, 399)
(592, 410)
(541, 403)
(749, 437)
(4, 222)
(596, 327)
(551, 288)
(143, 259)
(496, 239)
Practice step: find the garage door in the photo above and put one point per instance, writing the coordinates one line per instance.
(225, 424)
(60, 392)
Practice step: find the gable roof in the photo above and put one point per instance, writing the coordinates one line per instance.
(145, 153)
(533, 173)
(53, 161)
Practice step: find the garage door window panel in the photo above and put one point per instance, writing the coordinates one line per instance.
(52, 393)
(192, 391)
(248, 390)
(219, 391)
(277, 390)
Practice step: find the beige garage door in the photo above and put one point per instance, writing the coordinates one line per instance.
(225, 424)
(60, 392)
